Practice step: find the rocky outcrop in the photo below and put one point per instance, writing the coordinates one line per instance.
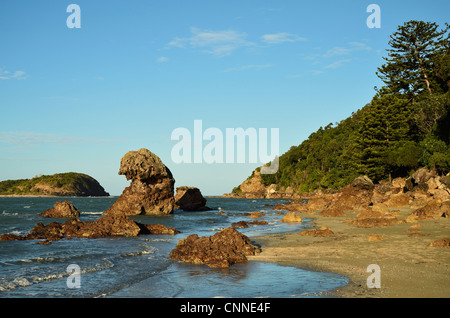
(152, 185)
(61, 209)
(254, 188)
(190, 199)
(105, 226)
(223, 249)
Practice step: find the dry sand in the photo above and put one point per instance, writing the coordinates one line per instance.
(409, 268)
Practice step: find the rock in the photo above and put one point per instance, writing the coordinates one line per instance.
(397, 200)
(156, 229)
(357, 195)
(375, 237)
(245, 224)
(223, 249)
(434, 209)
(241, 224)
(292, 206)
(152, 185)
(319, 203)
(322, 232)
(190, 199)
(11, 237)
(380, 208)
(334, 211)
(369, 212)
(291, 217)
(105, 226)
(61, 209)
(399, 183)
(445, 242)
(362, 183)
(116, 225)
(376, 222)
(422, 175)
(256, 215)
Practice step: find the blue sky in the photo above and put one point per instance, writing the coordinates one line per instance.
(79, 99)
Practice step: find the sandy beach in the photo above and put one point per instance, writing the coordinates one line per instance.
(409, 268)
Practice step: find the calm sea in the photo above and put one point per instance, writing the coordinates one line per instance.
(139, 267)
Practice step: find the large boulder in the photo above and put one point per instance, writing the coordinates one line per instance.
(152, 185)
(223, 249)
(61, 209)
(190, 199)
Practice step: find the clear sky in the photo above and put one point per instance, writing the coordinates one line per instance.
(77, 99)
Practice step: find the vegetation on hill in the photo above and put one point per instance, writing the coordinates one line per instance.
(61, 184)
(405, 126)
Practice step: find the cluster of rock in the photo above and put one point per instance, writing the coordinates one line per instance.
(222, 249)
(254, 188)
(427, 193)
(105, 226)
(151, 190)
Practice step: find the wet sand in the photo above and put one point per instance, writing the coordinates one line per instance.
(409, 268)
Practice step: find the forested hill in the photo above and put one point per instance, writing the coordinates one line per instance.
(60, 184)
(405, 126)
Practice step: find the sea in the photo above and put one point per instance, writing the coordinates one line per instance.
(138, 267)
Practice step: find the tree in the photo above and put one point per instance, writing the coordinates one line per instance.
(385, 122)
(415, 48)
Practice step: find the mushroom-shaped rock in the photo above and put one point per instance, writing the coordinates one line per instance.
(152, 185)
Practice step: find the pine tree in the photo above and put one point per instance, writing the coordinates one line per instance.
(415, 47)
(385, 123)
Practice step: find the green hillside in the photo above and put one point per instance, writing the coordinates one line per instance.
(405, 126)
(61, 184)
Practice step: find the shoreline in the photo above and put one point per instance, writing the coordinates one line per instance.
(409, 268)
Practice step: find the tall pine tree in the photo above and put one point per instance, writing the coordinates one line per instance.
(415, 47)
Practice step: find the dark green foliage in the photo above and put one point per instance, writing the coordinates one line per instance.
(404, 127)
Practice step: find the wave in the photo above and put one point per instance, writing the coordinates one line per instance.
(93, 212)
(24, 281)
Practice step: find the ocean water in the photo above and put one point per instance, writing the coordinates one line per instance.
(139, 267)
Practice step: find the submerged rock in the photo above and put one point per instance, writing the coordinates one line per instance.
(223, 249)
(152, 185)
(61, 209)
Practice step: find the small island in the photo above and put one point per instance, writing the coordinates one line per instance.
(60, 185)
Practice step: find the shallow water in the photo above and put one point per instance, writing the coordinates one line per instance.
(139, 267)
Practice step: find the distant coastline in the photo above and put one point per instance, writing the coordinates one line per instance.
(69, 184)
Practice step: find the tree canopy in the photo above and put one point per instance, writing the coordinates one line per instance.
(405, 126)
